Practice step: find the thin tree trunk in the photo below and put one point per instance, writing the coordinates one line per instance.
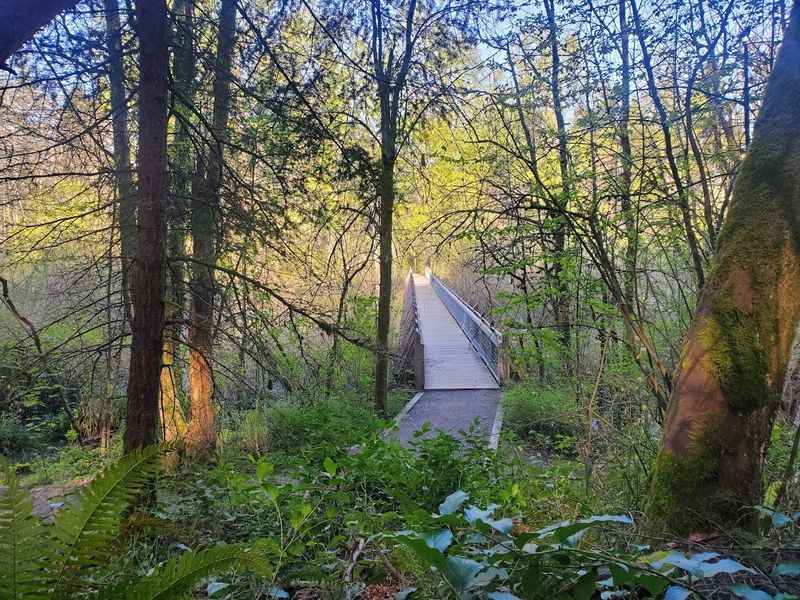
(122, 149)
(391, 80)
(385, 283)
(626, 205)
(734, 360)
(562, 300)
(201, 436)
(148, 273)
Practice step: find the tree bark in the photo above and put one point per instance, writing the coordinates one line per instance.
(148, 272)
(126, 190)
(391, 80)
(562, 299)
(181, 158)
(201, 436)
(734, 359)
(626, 158)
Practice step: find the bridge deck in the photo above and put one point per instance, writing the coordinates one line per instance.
(450, 361)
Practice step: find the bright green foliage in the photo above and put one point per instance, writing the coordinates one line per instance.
(20, 535)
(479, 555)
(177, 577)
(85, 528)
(542, 412)
(62, 560)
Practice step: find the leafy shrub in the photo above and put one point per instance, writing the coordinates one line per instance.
(478, 554)
(62, 559)
(15, 438)
(331, 422)
(540, 414)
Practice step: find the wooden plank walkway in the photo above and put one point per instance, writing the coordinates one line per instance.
(459, 387)
(450, 361)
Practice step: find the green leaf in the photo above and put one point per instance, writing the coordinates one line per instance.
(473, 514)
(296, 548)
(21, 541)
(749, 593)
(503, 596)
(329, 466)
(461, 573)
(84, 529)
(453, 502)
(177, 577)
(405, 593)
(620, 573)
(651, 582)
(569, 532)
(264, 468)
(440, 540)
(585, 587)
(216, 586)
(726, 565)
(676, 592)
(778, 519)
(430, 556)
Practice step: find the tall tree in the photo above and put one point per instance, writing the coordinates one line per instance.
(669, 148)
(562, 308)
(126, 190)
(390, 73)
(201, 436)
(152, 29)
(734, 358)
(181, 153)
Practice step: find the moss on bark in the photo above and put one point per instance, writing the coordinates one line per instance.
(737, 349)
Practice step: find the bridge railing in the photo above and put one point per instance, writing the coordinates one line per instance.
(411, 351)
(487, 341)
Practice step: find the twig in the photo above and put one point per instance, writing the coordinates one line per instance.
(26, 323)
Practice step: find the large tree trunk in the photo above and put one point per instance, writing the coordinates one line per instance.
(181, 158)
(734, 359)
(122, 149)
(148, 272)
(201, 437)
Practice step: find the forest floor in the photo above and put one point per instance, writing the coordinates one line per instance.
(342, 524)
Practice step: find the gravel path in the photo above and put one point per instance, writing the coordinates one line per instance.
(451, 411)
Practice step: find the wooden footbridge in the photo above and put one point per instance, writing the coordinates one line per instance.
(455, 359)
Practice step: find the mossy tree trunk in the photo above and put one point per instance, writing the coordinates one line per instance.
(734, 359)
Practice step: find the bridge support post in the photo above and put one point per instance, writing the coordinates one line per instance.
(419, 364)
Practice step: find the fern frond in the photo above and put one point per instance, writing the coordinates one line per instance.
(83, 530)
(21, 534)
(176, 577)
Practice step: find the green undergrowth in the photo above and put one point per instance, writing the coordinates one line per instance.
(332, 509)
(541, 416)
